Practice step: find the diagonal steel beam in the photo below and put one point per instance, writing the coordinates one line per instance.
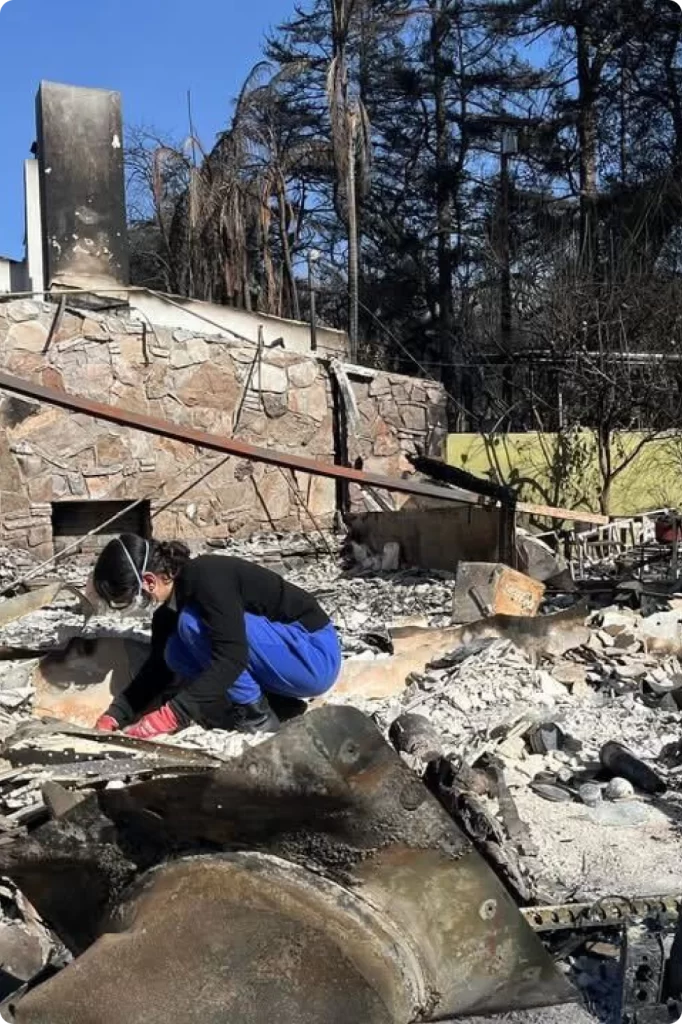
(230, 445)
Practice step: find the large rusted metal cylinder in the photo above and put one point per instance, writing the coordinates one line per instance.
(244, 938)
(339, 890)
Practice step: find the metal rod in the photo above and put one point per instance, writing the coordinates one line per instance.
(56, 323)
(230, 446)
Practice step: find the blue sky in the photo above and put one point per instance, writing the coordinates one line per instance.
(150, 50)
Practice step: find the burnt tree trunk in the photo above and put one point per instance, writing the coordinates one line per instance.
(444, 216)
(588, 141)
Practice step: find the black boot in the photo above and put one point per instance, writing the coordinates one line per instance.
(286, 708)
(256, 717)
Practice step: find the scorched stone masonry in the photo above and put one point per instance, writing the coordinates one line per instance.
(48, 456)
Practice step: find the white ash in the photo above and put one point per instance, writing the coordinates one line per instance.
(17, 675)
(599, 700)
(599, 718)
(15, 697)
(465, 701)
(14, 562)
(26, 796)
(285, 551)
(629, 847)
(499, 685)
(52, 629)
(219, 743)
(360, 603)
(281, 552)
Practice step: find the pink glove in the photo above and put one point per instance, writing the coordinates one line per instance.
(106, 723)
(156, 723)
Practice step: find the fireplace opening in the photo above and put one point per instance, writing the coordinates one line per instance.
(74, 519)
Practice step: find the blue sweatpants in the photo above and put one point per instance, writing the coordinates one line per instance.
(284, 658)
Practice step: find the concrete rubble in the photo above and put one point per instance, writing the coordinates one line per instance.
(542, 718)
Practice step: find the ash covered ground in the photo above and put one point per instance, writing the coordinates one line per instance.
(620, 684)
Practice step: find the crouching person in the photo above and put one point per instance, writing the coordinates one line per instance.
(226, 634)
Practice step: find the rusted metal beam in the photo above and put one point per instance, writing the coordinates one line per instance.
(230, 445)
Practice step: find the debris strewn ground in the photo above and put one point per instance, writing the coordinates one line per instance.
(543, 717)
(613, 688)
(597, 693)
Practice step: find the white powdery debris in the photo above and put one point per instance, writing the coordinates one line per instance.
(52, 629)
(14, 562)
(218, 743)
(597, 718)
(466, 701)
(357, 603)
(280, 551)
(368, 603)
(630, 847)
(133, 627)
(491, 690)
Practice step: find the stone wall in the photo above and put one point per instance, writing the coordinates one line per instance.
(397, 415)
(49, 455)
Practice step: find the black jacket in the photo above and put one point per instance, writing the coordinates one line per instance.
(221, 589)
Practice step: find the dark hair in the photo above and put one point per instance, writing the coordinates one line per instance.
(114, 577)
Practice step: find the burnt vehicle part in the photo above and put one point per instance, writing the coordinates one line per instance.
(651, 948)
(315, 877)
